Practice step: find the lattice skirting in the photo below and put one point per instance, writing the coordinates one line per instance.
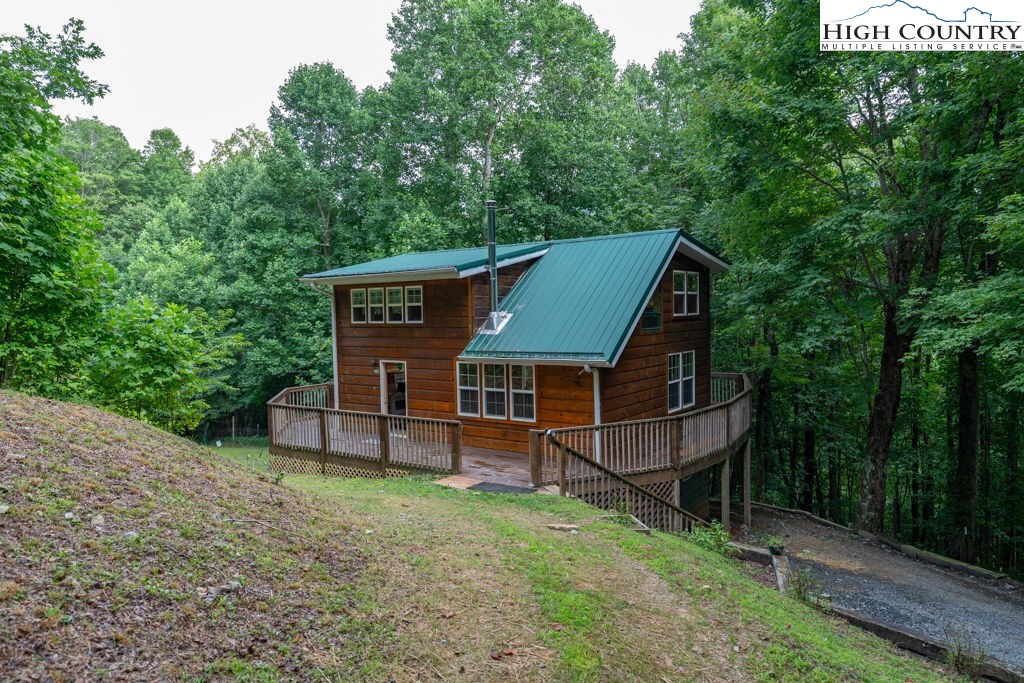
(288, 465)
(664, 489)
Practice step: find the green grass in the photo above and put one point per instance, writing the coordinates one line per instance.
(605, 604)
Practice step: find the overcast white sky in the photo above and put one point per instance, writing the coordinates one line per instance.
(207, 67)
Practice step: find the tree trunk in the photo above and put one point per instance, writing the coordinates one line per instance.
(964, 487)
(882, 421)
(1013, 479)
(834, 513)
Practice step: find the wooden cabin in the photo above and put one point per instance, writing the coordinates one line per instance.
(579, 365)
(591, 330)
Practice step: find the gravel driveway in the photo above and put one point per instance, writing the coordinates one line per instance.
(888, 586)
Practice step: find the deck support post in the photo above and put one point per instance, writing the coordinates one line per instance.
(384, 441)
(725, 495)
(746, 483)
(323, 441)
(535, 464)
(456, 447)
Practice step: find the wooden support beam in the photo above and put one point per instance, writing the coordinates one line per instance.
(456, 448)
(725, 495)
(746, 483)
(384, 439)
(536, 474)
(323, 442)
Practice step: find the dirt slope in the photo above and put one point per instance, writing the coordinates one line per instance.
(124, 553)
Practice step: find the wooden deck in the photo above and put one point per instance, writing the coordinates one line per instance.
(622, 465)
(497, 467)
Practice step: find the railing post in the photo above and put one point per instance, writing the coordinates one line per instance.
(456, 447)
(561, 470)
(384, 440)
(323, 442)
(536, 475)
(673, 440)
(725, 494)
(270, 425)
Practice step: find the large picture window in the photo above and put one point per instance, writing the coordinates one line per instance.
(395, 305)
(469, 389)
(685, 292)
(494, 391)
(414, 304)
(376, 301)
(357, 299)
(522, 392)
(497, 391)
(681, 380)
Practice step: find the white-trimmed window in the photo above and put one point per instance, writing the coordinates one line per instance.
(414, 304)
(521, 387)
(494, 391)
(396, 305)
(681, 380)
(357, 301)
(469, 389)
(375, 295)
(685, 292)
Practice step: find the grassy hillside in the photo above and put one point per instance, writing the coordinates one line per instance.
(129, 554)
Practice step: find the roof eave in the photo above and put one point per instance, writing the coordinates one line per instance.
(536, 360)
(449, 273)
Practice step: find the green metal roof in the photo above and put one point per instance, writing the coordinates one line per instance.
(581, 300)
(455, 261)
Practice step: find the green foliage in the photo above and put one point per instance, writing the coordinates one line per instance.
(158, 364)
(51, 278)
(712, 537)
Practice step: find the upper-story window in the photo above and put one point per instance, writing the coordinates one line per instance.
(685, 292)
(391, 304)
(376, 297)
(357, 299)
(414, 304)
(681, 380)
(396, 307)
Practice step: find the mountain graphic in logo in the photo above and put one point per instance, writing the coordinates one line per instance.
(902, 11)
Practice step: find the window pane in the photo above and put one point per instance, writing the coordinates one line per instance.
(692, 282)
(469, 401)
(468, 376)
(414, 295)
(688, 392)
(651, 318)
(674, 369)
(521, 377)
(358, 297)
(692, 304)
(394, 296)
(359, 314)
(673, 396)
(394, 314)
(414, 313)
(679, 281)
(494, 376)
(688, 364)
(494, 403)
(376, 296)
(522, 406)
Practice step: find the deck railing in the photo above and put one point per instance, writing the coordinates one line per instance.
(581, 477)
(640, 446)
(300, 420)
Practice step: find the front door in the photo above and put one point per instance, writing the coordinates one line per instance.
(393, 390)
